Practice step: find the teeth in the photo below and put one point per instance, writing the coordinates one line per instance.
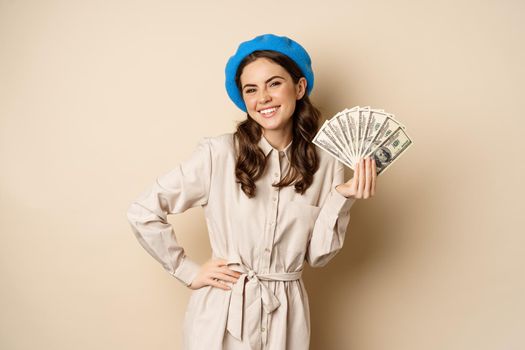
(269, 110)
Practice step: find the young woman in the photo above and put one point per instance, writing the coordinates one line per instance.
(272, 202)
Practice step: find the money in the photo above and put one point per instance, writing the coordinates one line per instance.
(361, 132)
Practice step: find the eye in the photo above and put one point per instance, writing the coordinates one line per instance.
(248, 91)
(275, 83)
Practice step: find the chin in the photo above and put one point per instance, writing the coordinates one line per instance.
(271, 124)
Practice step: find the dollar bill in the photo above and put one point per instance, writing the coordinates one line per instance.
(364, 114)
(339, 137)
(374, 123)
(390, 149)
(325, 142)
(352, 117)
(348, 130)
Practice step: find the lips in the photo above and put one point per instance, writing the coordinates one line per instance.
(269, 112)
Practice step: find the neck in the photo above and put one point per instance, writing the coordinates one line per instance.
(279, 139)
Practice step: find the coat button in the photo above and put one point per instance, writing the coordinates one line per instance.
(263, 329)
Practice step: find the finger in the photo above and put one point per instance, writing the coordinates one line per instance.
(218, 284)
(368, 179)
(374, 176)
(223, 277)
(355, 178)
(229, 272)
(361, 185)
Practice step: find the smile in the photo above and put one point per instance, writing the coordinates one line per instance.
(269, 112)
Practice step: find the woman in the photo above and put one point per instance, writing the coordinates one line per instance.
(272, 201)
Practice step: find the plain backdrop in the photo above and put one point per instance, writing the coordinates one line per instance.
(97, 98)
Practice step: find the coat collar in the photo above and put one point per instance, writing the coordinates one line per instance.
(267, 147)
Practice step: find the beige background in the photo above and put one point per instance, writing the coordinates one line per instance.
(97, 98)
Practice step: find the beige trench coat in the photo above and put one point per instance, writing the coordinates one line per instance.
(267, 238)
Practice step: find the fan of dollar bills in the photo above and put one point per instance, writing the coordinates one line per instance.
(363, 132)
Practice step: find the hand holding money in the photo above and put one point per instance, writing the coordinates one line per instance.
(363, 183)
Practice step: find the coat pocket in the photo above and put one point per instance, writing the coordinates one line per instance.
(303, 216)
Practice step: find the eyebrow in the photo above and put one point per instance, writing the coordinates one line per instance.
(275, 76)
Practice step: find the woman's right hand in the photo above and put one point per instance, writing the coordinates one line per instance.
(212, 273)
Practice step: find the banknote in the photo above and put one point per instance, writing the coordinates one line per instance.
(360, 132)
(326, 143)
(351, 116)
(390, 149)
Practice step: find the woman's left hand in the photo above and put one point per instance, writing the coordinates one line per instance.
(363, 183)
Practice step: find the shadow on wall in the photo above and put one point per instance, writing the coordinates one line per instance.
(374, 235)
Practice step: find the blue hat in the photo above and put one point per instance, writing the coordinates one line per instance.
(273, 42)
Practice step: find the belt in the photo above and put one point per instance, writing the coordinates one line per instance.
(255, 294)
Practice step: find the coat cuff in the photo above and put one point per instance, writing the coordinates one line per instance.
(187, 271)
(337, 203)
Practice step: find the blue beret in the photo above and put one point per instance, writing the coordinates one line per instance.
(273, 42)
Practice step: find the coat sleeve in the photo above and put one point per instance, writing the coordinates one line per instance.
(184, 187)
(330, 227)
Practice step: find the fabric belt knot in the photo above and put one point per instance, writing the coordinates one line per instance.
(249, 298)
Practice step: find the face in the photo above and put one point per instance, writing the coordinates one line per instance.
(382, 155)
(270, 94)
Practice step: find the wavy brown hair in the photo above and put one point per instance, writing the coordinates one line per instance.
(306, 117)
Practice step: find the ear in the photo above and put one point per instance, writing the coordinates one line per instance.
(300, 88)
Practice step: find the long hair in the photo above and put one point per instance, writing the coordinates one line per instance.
(251, 161)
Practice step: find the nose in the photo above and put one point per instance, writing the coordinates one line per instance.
(264, 96)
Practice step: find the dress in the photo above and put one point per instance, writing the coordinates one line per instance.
(267, 238)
